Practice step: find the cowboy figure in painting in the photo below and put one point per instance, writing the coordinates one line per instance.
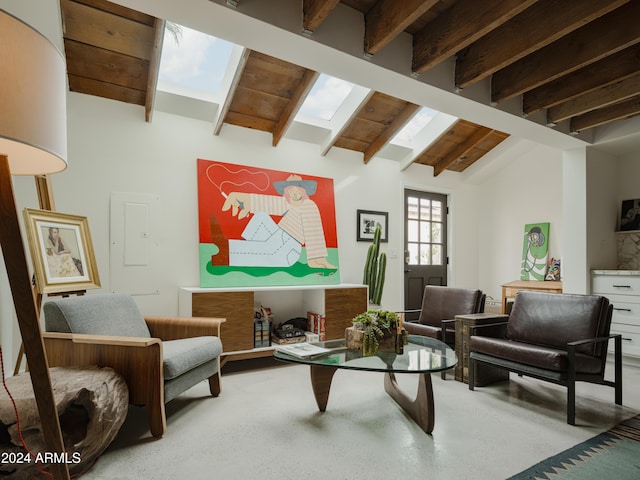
(267, 244)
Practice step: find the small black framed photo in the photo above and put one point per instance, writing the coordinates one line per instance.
(630, 215)
(367, 222)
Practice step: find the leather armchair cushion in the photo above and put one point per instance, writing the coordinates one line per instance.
(547, 358)
(442, 303)
(180, 356)
(554, 320)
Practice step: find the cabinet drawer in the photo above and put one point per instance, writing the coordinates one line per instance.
(626, 313)
(630, 342)
(616, 284)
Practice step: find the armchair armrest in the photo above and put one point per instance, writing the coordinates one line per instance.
(173, 328)
(410, 311)
(495, 330)
(101, 339)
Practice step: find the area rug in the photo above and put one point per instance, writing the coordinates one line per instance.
(612, 454)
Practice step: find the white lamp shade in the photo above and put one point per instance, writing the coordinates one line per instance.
(33, 110)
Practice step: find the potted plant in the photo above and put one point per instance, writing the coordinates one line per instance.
(373, 328)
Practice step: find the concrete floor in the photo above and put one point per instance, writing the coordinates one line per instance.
(266, 425)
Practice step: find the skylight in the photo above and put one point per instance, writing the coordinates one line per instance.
(416, 125)
(193, 64)
(325, 98)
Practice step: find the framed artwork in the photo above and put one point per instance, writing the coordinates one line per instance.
(262, 227)
(61, 251)
(535, 251)
(630, 215)
(367, 222)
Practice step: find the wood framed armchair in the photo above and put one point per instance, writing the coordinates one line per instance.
(159, 357)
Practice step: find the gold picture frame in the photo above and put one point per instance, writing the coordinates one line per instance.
(61, 251)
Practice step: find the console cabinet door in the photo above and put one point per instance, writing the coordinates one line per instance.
(237, 308)
(340, 306)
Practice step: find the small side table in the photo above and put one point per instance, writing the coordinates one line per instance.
(484, 374)
(510, 289)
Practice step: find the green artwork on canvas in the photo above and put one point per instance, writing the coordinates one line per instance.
(535, 251)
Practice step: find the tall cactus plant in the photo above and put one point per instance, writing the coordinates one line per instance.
(374, 268)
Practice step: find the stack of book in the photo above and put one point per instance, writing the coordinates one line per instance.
(317, 323)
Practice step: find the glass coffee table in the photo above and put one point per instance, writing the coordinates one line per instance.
(422, 356)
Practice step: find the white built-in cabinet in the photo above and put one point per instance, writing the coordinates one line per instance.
(622, 288)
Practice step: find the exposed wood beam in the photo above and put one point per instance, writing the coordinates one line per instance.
(458, 27)
(600, 74)
(299, 95)
(461, 149)
(613, 93)
(154, 69)
(394, 127)
(241, 63)
(355, 101)
(388, 18)
(602, 37)
(314, 12)
(538, 26)
(427, 137)
(619, 111)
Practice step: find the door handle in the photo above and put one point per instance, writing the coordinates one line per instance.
(407, 270)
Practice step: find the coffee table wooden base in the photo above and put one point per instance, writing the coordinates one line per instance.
(420, 409)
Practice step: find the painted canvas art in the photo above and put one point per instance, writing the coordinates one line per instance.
(261, 227)
(535, 251)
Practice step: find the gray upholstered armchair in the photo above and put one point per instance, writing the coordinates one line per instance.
(159, 357)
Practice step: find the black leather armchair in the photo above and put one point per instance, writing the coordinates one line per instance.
(559, 338)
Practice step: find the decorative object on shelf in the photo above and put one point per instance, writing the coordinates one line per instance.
(62, 251)
(367, 222)
(630, 215)
(535, 251)
(553, 273)
(375, 330)
(374, 269)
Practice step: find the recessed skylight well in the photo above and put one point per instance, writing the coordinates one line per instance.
(193, 63)
(325, 98)
(415, 125)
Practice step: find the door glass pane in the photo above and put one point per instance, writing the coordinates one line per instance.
(436, 232)
(436, 254)
(425, 209)
(413, 253)
(436, 213)
(425, 254)
(412, 231)
(425, 231)
(412, 207)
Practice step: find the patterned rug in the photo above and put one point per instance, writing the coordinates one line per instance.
(614, 454)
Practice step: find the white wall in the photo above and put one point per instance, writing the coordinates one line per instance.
(527, 189)
(111, 149)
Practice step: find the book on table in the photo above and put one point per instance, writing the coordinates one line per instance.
(303, 350)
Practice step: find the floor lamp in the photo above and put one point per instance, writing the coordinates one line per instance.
(33, 141)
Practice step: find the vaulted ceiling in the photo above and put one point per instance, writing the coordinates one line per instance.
(577, 62)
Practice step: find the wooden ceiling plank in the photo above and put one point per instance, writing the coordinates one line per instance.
(458, 27)
(613, 93)
(461, 149)
(105, 30)
(250, 121)
(290, 111)
(120, 10)
(388, 19)
(536, 27)
(258, 104)
(619, 111)
(154, 70)
(241, 63)
(97, 88)
(105, 65)
(602, 37)
(597, 75)
(314, 12)
(394, 127)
